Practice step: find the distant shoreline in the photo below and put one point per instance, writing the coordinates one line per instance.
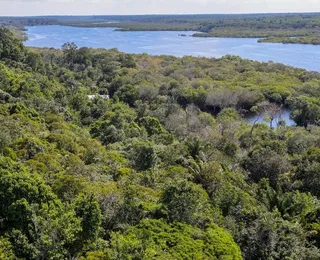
(268, 27)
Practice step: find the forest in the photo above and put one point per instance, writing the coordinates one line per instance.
(305, 27)
(106, 155)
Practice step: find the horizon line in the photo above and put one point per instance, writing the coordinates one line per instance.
(159, 14)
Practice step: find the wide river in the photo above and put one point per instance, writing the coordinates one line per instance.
(170, 43)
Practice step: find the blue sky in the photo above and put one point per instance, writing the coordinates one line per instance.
(83, 7)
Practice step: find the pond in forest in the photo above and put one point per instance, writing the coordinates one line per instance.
(261, 118)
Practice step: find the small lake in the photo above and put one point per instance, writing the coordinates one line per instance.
(260, 119)
(170, 43)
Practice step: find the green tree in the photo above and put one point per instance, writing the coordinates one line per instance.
(305, 110)
(143, 155)
(88, 210)
(154, 239)
(185, 202)
(6, 252)
(266, 163)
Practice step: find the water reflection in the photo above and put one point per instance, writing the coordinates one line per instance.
(261, 119)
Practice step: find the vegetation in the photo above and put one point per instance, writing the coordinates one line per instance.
(275, 27)
(299, 40)
(166, 167)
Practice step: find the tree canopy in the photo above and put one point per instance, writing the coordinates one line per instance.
(106, 155)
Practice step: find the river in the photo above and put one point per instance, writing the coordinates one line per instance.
(170, 43)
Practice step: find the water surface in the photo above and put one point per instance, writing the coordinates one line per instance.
(260, 119)
(170, 43)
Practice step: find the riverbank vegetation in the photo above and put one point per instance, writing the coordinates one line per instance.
(274, 27)
(165, 168)
(300, 28)
(315, 40)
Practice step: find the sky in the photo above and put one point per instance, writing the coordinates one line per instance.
(109, 7)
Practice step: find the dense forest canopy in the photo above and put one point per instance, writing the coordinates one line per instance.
(274, 27)
(166, 167)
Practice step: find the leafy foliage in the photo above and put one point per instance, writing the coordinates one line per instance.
(164, 167)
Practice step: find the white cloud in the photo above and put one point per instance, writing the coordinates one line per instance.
(47, 7)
